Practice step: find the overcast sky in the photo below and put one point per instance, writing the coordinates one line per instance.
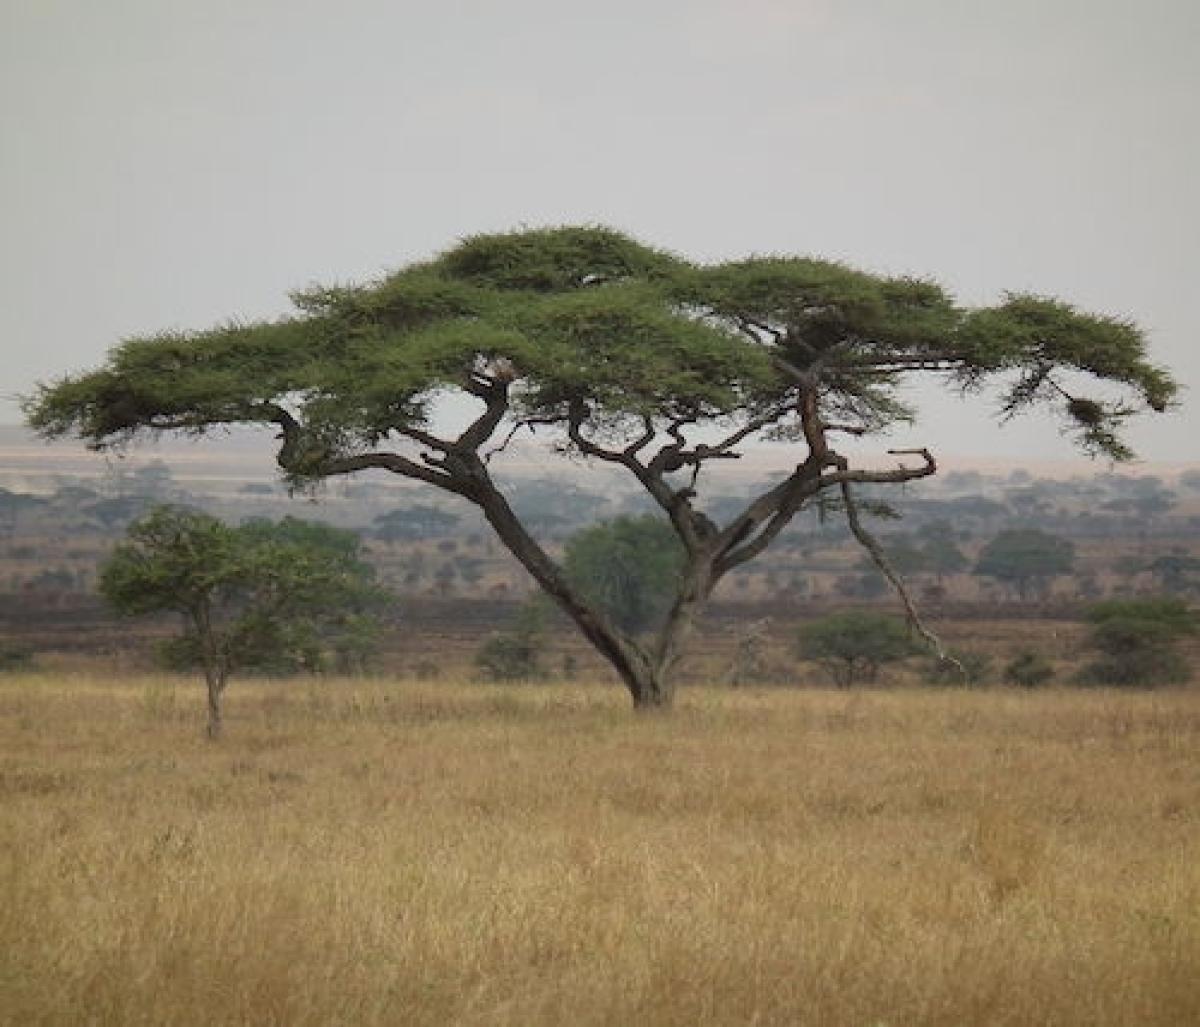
(170, 164)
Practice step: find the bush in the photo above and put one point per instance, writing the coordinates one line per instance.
(853, 646)
(1029, 670)
(516, 654)
(1136, 639)
(977, 666)
(1137, 670)
(14, 658)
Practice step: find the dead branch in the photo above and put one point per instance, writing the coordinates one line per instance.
(872, 546)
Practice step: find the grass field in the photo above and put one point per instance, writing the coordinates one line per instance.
(401, 853)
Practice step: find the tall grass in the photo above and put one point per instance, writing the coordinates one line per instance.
(433, 854)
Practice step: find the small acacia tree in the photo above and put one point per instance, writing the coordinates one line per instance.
(259, 594)
(635, 358)
(1026, 560)
(854, 646)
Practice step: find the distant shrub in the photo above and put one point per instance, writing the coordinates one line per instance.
(14, 657)
(516, 654)
(1028, 670)
(853, 646)
(973, 668)
(510, 657)
(1135, 640)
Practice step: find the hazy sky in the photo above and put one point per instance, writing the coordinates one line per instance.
(170, 164)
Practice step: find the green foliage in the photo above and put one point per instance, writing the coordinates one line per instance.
(1136, 642)
(1028, 670)
(518, 653)
(1173, 617)
(588, 315)
(853, 646)
(262, 596)
(1026, 559)
(628, 567)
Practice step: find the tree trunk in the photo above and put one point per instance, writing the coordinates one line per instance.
(643, 676)
(694, 590)
(652, 691)
(216, 685)
(216, 667)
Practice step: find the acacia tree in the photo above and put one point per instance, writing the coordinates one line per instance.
(637, 359)
(1026, 559)
(854, 645)
(248, 594)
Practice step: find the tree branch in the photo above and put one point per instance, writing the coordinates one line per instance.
(524, 422)
(689, 525)
(480, 430)
(872, 546)
(750, 534)
(755, 330)
(756, 528)
(899, 474)
(643, 440)
(424, 438)
(397, 464)
(755, 424)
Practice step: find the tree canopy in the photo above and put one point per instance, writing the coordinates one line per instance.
(1026, 560)
(257, 596)
(635, 357)
(854, 645)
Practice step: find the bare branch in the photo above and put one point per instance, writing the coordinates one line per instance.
(755, 424)
(748, 534)
(675, 430)
(576, 415)
(480, 430)
(397, 464)
(898, 474)
(691, 526)
(755, 330)
(872, 546)
(643, 440)
(424, 438)
(525, 422)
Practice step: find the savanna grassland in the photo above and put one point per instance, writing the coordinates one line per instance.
(437, 853)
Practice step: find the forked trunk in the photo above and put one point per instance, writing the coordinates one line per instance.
(643, 675)
(652, 691)
(647, 674)
(672, 640)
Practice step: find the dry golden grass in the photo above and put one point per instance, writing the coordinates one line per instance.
(387, 853)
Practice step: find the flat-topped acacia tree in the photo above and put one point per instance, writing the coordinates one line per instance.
(636, 358)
